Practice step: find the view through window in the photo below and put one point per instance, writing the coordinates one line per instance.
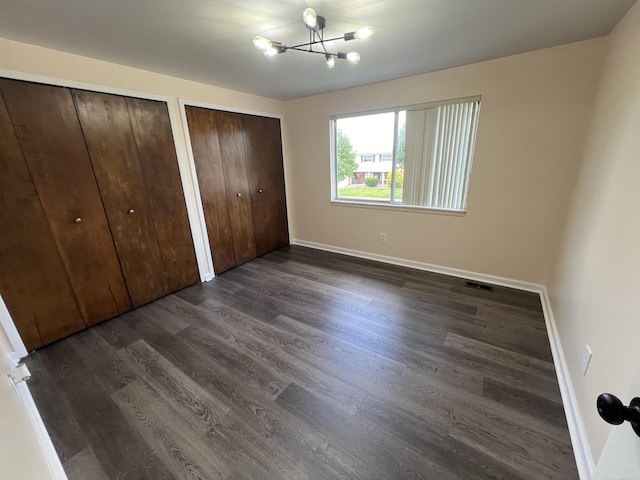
(416, 156)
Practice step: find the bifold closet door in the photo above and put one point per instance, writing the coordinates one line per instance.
(151, 238)
(234, 166)
(238, 161)
(27, 246)
(159, 164)
(219, 155)
(263, 146)
(50, 199)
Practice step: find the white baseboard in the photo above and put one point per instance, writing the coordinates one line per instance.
(454, 272)
(581, 448)
(579, 441)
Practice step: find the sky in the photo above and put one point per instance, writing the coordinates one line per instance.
(370, 133)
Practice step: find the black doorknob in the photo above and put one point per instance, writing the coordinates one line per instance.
(614, 412)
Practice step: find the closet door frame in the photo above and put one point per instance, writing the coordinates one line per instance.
(186, 168)
(225, 108)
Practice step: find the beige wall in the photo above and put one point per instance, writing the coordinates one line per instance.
(594, 290)
(43, 61)
(531, 129)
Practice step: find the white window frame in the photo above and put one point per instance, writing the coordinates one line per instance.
(392, 203)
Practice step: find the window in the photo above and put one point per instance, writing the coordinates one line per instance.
(430, 164)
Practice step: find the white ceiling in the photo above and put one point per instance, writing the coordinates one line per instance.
(210, 40)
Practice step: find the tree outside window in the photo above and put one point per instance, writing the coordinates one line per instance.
(346, 157)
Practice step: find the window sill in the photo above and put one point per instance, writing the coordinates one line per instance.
(400, 208)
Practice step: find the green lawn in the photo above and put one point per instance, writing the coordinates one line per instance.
(362, 191)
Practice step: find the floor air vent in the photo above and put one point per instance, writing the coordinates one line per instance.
(478, 286)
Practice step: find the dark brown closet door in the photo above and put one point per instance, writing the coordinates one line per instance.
(33, 282)
(205, 144)
(246, 213)
(50, 137)
(234, 166)
(114, 155)
(159, 163)
(263, 146)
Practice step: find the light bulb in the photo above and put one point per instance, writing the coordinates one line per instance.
(261, 43)
(365, 33)
(353, 57)
(270, 51)
(331, 62)
(309, 17)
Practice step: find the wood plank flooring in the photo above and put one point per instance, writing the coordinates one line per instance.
(304, 364)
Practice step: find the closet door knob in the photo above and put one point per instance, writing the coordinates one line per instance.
(77, 219)
(131, 210)
(259, 190)
(238, 194)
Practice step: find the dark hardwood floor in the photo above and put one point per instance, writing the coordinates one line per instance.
(307, 364)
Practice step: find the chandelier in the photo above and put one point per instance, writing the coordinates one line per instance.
(315, 24)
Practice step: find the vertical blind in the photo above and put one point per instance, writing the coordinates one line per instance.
(438, 152)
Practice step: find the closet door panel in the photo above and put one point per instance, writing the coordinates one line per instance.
(237, 183)
(280, 235)
(205, 144)
(159, 163)
(263, 146)
(114, 156)
(50, 137)
(42, 305)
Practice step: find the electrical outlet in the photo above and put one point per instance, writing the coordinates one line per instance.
(383, 238)
(586, 358)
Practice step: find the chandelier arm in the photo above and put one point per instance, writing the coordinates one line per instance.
(315, 42)
(311, 51)
(309, 44)
(319, 36)
(341, 37)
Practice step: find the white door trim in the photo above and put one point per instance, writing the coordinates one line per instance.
(9, 327)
